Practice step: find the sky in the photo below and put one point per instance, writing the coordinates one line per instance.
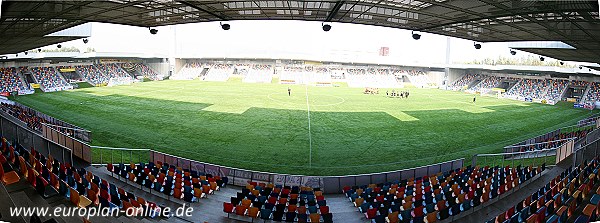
(284, 39)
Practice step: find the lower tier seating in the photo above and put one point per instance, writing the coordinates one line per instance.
(279, 203)
(437, 197)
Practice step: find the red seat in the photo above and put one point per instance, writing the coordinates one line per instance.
(324, 210)
(371, 213)
(227, 207)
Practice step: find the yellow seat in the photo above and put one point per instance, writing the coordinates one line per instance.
(253, 212)
(84, 201)
(358, 201)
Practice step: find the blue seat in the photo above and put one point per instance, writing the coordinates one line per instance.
(290, 216)
(582, 219)
(552, 219)
(265, 214)
(363, 207)
(302, 217)
(595, 199)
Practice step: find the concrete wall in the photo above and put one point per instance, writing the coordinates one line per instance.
(436, 77)
(178, 65)
(453, 75)
(161, 67)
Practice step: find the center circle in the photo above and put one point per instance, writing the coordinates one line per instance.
(317, 100)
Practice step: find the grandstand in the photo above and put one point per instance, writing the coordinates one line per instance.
(257, 73)
(465, 82)
(49, 79)
(140, 69)
(11, 81)
(292, 75)
(556, 90)
(592, 95)
(92, 74)
(189, 71)
(218, 72)
(486, 84)
(239, 130)
(417, 78)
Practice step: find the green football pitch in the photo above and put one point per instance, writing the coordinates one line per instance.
(315, 131)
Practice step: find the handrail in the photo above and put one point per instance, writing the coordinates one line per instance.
(517, 153)
(76, 129)
(116, 148)
(531, 144)
(570, 126)
(255, 171)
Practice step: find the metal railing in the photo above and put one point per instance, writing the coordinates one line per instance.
(533, 157)
(239, 177)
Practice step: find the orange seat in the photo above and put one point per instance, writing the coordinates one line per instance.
(127, 205)
(197, 193)
(292, 208)
(393, 217)
(22, 166)
(246, 203)
(302, 210)
(131, 177)
(315, 217)
(589, 209)
(358, 201)
(432, 217)
(31, 175)
(9, 177)
(240, 210)
(214, 187)
(253, 212)
(206, 189)
(177, 193)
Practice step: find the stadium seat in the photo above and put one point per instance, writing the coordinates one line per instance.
(10, 177)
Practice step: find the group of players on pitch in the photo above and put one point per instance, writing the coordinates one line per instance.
(399, 94)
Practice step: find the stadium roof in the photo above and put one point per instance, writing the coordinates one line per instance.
(23, 24)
